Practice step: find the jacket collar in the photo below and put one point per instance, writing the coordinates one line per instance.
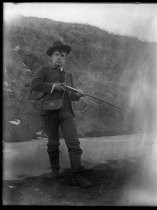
(59, 69)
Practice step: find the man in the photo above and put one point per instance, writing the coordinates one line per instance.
(48, 80)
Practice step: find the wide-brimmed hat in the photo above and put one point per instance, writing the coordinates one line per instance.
(58, 45)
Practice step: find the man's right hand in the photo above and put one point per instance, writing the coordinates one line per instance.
(58, 87)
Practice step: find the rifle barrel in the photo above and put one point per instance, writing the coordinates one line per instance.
(98, 99)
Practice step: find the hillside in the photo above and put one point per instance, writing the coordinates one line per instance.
(114, 68)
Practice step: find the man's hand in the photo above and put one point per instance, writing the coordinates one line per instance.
(80, 93)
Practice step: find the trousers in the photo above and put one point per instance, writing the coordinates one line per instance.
(65, 121)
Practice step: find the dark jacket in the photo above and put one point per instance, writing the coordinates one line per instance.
(43, 81)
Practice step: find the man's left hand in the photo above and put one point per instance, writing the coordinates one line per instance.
(80, 93)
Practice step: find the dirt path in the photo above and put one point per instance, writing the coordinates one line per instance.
(109, 181)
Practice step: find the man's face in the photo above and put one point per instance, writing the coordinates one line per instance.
(58, 58)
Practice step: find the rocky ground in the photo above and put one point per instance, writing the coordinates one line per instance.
(110, 182)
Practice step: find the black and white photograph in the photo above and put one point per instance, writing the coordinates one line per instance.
(79, 104)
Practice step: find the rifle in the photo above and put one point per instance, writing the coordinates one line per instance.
(86, 94)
